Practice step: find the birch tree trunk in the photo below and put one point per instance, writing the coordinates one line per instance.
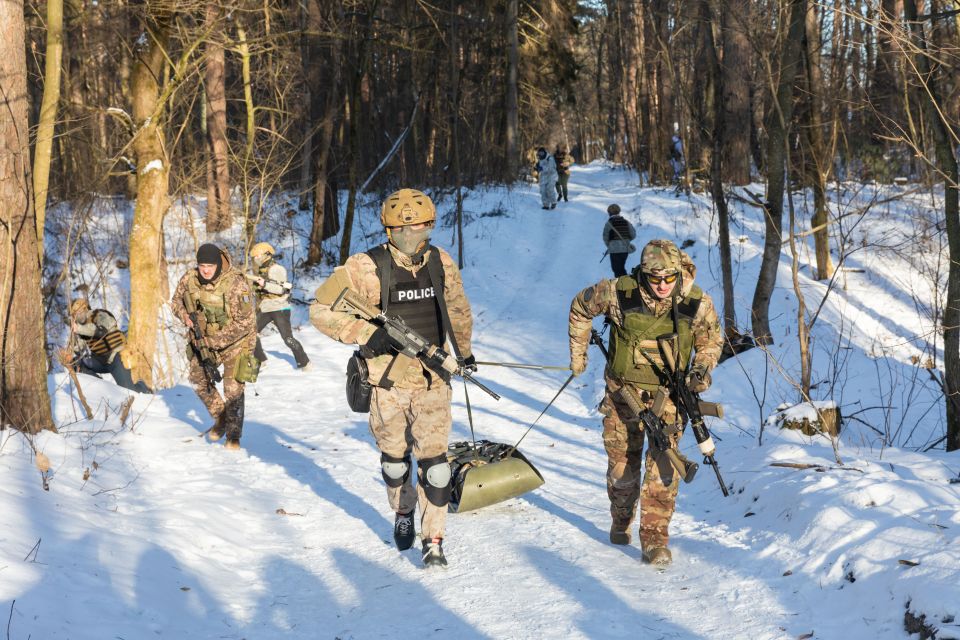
(24, 401)
(147, 280)
(48, 115)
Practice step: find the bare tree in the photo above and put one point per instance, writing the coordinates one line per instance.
(218, 150)
(48, 114)
(24, 401)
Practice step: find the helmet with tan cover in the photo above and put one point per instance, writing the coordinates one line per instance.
(406, 207)
(78, 306)
(262, 248)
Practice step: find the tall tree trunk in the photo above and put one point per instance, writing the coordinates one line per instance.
(734, 20)
(24, 401)
(48, 114)
(818, 161)
(513, 104)
(778, 121)
(946, 165)
(146, 236)
(218, 161)
(455, 125)
(717, 163)
(886, 89)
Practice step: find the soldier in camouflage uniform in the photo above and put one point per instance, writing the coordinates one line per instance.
(659, 297)
(225, 311)
(273, 302)
(96, 342)
(410, 409)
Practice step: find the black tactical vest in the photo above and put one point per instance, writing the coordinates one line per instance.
(411, 298)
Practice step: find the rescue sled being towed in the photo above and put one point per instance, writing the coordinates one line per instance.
(486, 473)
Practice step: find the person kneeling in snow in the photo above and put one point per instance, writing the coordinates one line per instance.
(659, 297)
(95, 345)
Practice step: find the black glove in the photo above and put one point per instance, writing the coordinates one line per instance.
(379, 343)
(698, 380)
(469, 363)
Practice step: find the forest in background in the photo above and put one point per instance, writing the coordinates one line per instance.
(242, 100)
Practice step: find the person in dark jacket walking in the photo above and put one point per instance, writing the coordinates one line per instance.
(617, 235)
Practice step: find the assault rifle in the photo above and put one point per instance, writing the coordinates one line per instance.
(286, 286)
(690, 404)
(199, 343)
(413, 345)
(651, 419)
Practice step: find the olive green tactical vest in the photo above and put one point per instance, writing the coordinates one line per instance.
(212, 303)
(634, 354)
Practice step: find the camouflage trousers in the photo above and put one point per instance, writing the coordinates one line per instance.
(418, 421)
(226, 410)
(657, 494)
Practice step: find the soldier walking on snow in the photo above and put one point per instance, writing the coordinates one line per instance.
(658, 298)
(273, 302)
(547, 171)
(563, 160)
(410, 408)
(216, 303)
(617, 235)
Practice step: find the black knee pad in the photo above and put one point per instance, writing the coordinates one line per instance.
(395, 471)
(434, 477)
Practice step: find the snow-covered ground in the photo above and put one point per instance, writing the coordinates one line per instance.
(148, 531)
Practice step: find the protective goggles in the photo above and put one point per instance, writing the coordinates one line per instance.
(655, 280)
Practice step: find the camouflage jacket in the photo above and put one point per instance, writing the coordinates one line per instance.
(349, 329)
(273, 295)
(238, 303)
(601, 299)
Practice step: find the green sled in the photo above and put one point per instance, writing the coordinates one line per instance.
(486, 474)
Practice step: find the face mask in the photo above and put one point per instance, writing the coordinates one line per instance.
(407, 240)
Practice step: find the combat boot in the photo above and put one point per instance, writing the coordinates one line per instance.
(659, 556)
(620, 533)
(403, 531)
(433, 553)
(232, 444)
(215, 432)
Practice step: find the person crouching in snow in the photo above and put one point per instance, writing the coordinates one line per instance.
(547, 168)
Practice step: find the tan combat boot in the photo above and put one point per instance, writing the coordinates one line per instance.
(232, 445)
(215, 432)
(660, 556)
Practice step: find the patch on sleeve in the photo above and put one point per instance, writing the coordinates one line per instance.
(588, 294)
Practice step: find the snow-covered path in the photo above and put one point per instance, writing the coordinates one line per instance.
(291, 537)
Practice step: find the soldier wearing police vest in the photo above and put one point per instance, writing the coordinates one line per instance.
(408, 278)
(658, 298)
(219, 298)
(273, 302)
(95, 345)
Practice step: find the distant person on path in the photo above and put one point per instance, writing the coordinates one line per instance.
(547, 170)
(658, 297)
(617, 235)
(563, 160)
(273, 302)
(95, 345)
(678, 162)
(218, 297)
(407, 278)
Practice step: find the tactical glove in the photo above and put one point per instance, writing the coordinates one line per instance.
(379, 343)
(578, 364)
(469, 363)
(698, 380)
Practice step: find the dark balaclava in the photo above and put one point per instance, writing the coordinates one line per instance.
(209, 254)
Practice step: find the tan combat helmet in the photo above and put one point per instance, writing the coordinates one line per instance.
(261, 252)
(407, 207)
(262, 248)
(660, 258)
(78, 306)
